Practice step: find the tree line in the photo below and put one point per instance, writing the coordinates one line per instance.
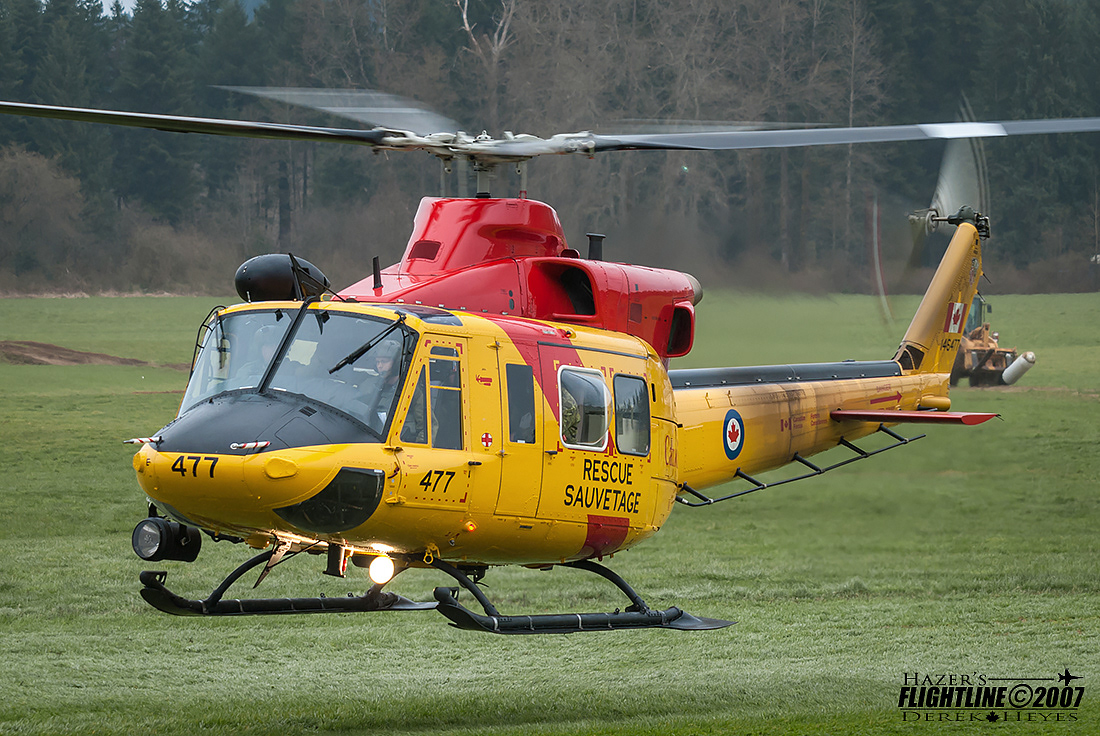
(94, 207)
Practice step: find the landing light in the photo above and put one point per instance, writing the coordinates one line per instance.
(381, 570)
(157, 539)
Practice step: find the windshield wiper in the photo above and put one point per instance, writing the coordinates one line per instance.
(365, 347)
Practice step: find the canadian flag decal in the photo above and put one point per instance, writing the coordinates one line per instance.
(956, 318)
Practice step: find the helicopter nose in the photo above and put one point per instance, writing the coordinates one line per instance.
(203, 477)
(309, 491)
(223, 491)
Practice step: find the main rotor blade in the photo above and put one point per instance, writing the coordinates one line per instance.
(378, 109)
(208, 126)
(643, 126)
(523, 147)
(746, 139)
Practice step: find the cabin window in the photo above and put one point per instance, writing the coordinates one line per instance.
(584, 408)
(446, 403)
(631, 415)
(521, 403)
(435, 411)
(415, 430)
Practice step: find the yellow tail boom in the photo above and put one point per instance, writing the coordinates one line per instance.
(743, 421)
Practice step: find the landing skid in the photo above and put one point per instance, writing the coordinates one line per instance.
(159, 597)
(636, 616)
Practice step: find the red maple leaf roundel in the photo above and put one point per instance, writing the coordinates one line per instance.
(733, 437)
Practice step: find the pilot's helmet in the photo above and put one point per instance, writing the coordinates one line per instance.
(265, 340)
(267, 333)
(387, 350)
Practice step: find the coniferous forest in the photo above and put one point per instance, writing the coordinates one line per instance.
(95, 208)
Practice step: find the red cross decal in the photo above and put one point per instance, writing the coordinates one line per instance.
(487, 439)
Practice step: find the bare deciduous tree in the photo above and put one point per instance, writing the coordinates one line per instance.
(489, 48)
(864, 74)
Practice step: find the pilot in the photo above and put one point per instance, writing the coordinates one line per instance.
(264, 342)
(384, 382)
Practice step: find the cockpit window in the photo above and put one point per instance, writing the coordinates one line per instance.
(239, 348)
(366, 387)
(235, 353)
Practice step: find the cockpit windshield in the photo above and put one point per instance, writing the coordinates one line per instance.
(235, 353)
(366, 388)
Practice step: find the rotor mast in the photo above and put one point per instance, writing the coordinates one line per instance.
(485, 172)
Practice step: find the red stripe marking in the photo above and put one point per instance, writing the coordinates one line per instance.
(545, 374)
(605, 535)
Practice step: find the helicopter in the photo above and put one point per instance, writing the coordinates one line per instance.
(495, 398)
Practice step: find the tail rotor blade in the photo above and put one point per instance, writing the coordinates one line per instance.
(964, 179)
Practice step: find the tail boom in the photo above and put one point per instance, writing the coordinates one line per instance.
(749, 420)
(759, 427)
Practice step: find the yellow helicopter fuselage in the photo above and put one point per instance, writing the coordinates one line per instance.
(510, 441)
(506, 489)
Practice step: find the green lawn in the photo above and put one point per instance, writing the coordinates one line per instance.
(975, 550)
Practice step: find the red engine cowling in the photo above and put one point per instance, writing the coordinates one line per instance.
(509, 256)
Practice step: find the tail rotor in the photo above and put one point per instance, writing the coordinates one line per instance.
(963, 182)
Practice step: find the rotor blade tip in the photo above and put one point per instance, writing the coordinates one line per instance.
(963, 130)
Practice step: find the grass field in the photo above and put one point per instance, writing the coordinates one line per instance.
(974, 551)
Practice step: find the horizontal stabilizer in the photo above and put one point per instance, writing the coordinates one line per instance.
(928, 417)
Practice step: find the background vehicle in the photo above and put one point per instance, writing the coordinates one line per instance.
(981, 359)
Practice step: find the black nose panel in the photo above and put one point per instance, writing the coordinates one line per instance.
(284, 420)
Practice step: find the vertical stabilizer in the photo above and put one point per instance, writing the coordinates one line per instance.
(933, 337)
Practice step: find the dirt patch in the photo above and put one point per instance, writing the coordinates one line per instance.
(23, 352)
